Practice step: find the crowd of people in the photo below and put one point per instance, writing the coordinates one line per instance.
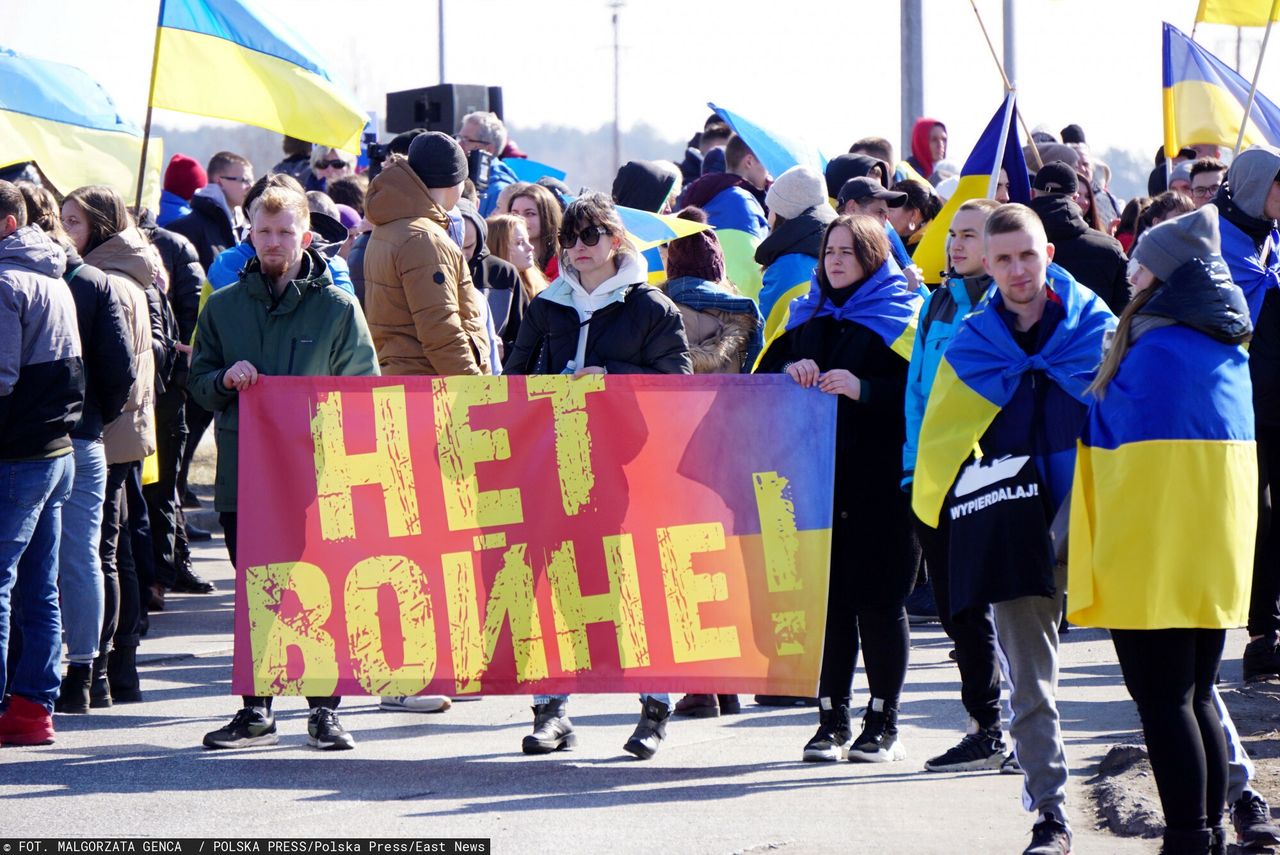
(976, 419)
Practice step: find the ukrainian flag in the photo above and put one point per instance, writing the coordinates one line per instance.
(1165, 499)
(61, 118)
(1204, 99)
(980, 372)
(228, 59)
(776, 152)
(997, 148)
(1238, 13)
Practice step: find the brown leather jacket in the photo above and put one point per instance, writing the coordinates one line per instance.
(423, 311)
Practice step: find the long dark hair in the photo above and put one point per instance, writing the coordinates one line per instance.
(870, 248)
(104, 210)
(1092, 219)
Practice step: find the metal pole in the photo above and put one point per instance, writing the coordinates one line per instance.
(146, 127)
(912, 37)
(1257, 72)
(440, 33)
(617, 88)
(1010, 68)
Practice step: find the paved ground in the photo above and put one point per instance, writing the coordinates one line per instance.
(733, 785)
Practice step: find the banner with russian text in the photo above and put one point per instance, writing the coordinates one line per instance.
(502, 535)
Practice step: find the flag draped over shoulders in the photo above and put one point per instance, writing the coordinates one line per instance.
(980, 372)
(882, 304)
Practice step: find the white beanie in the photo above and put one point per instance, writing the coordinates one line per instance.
(796, 191)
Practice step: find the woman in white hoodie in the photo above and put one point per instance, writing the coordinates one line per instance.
(599, 317)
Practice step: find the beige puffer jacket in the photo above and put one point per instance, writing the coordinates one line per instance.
(130, 266)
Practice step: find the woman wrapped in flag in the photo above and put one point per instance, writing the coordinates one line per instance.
(851, 336)
(1164, 508)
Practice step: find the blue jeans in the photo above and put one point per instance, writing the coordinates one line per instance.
(663, 698)
(79, 565)
(32, 494)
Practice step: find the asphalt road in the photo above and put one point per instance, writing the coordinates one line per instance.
(731, 785)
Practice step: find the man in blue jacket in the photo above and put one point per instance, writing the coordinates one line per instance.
(966, 290)
(482, 131)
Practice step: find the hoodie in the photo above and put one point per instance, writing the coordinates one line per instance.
(41, 368)
(921, 159)
(643, 184)
(210, 226)
(1093, 258)
(497, 279)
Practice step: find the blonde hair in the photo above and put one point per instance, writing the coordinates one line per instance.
(320, 153)
(501, 240)
(273, 200)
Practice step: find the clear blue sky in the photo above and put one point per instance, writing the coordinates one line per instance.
(813, 66)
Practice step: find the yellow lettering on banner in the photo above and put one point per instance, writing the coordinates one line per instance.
(573, 439)
(690, 640)
(461, 448)
(781, 540)
(620, 605)
(271, 635)
(387, 465)
(510, 598)
(364, 630)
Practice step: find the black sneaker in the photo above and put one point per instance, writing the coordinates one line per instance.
(834, 735)
(650, 730)
(1011, 766)
(325, 732)
(1262, 659)
(878, 742)
(1049, 836)
(251, 726)
(983, 749)
(1251, 816)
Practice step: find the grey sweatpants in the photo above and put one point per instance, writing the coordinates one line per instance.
(1027, 642)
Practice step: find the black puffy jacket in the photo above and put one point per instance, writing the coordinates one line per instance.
(207, 227)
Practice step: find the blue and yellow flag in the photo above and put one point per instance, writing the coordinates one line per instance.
(980, 372)
(1204, 99)
(229, 59)
(882, 304)
(1165, 498)
(61, 118)
(1238, 13)
(777, 152)
(997, 148)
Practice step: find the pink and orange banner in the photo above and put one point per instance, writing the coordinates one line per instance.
(501, 535)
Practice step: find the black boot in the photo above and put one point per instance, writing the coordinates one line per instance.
(835, 732)
(122, 675)
(73, 697)
(650, 730)
(878, 742)
(99, 692)
(729, 704)
(1186, 842)
(1218, 843)
(552, 730)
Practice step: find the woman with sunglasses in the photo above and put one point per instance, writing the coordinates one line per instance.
(329, 164)
(599, 317)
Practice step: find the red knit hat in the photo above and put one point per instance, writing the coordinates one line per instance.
(184, 176)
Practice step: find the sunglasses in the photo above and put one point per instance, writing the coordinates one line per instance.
(590, 236)
(330, 164)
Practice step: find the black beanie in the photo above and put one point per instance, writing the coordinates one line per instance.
(1073, 134)
(437, 159)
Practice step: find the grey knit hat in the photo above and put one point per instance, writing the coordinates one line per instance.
(796, 191)
(437, 159)
(1164, 248)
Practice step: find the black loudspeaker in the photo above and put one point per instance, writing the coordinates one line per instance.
(436, 108)
(495, 102)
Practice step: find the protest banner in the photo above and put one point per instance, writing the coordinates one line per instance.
(471, 535)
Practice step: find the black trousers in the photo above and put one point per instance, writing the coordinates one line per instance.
(1264, 601)
(882, 633)
(973, 631)
(1170, 674)
(229, 530)
(163, 504)
(198, 420)
(122, 617)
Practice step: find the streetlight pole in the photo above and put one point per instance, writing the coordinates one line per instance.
(912, 69)
(1009, 57)
(440, 32)
(615, 5)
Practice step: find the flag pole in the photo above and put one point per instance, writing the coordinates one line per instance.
(1010, 107)
(1257, 72)
(1008, 87)
(146, 128)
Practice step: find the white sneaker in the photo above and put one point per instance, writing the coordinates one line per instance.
(416, 703)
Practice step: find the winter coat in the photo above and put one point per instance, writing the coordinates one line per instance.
(424, 314)
(131, 269)
(500, 178)
(1250, 249)
(297, 165)
(872, 536)
(940, 317)
(229, 264)
(639, 331)
(107, 344)
(186, 278)
(735, 210)
(41, 369)
(355, 261)
(724, 330)
(210, 226)
(172, 206)
(314, 329)
(789, 255)
(1093, 258)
